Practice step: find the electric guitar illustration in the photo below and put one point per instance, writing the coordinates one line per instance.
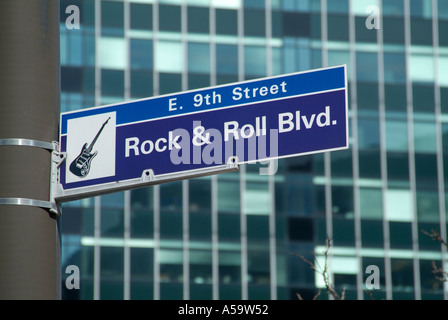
(81, 165)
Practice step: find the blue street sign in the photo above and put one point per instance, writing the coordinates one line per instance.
(186, 132)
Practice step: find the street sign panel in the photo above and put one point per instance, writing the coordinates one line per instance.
(198, 132)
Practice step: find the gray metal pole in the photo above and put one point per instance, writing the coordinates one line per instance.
(29, 109)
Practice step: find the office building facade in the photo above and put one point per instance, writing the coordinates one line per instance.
(240, 235)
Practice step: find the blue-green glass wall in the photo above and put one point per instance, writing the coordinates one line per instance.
(238, 235)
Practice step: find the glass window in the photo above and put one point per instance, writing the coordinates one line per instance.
(369, 164)
(200, 195)
(112, 15)
(229, 227)
(395, 97)
(371, 201)
(255, 61)
(443, 33)
(337, 6)
(364, 34)
(426, 170)
(372, 233)
(366, 67)
(112, 223)
(295, 24)
(397, 25)
(368, 134)
(254, 23)
(112, 53)
(421, 68)
(226, 22)
(258, 268)
(442, 9)
(342, 201)
(300, 229)
(400, 235)
(112, 262)
(423, 98)
(428, 206)
(141, 54)
(341, 163)
(338, 27)
(394, 68)
(141, 16)
(198, 57)
(170, 82)
(396, 136)
(169, 57)
(141, 84)
(198, 81)
(359, 7)
(200, 226)
(421, 9)
(393, 8)
(367, 94)
(402, 274)
(169, 18)
(227, 59)
(398, 167)
(425, 137)
(112, 83)
(421, 32)
(142, 271)
(228, 196)
(444, 100)
(442, 76)
(399, 205)
(257, 198)
(258, 228)
(344, 232)
(198, 20)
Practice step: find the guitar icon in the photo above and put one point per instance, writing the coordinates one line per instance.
(81, 165)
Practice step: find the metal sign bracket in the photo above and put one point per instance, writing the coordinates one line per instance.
(50, 205)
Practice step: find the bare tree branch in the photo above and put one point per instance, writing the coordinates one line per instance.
(438, 272)
(323, 271)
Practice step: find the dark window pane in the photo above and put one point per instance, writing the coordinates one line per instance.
(301, 229)
(170, 82)
(254, 23)
(423, 98)
(372, 233)
(226, 22)
(400, 235)
(398, 166)
(364, 34)
(112, 14)
(395, 96)
(169, 18)
(421, 31)
(367, 96)
(296, 24)
(141, 84)
(443, 33)
(342, 201)
(141, 16)
(71, 79)
(141, 54)
(338, 27)
(112, 82)
(397, 25)
(369, 164)
(198, 20)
